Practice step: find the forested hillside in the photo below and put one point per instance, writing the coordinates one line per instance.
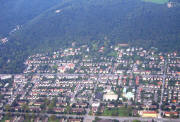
(119, 21)
(19, 12)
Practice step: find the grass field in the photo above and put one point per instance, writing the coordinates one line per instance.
(122, 112)
(157, 1)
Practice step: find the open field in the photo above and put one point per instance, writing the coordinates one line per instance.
(117, 112)
(157, 1)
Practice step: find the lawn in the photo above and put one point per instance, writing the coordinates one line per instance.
(122, 112)
(157, 1)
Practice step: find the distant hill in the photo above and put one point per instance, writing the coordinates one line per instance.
(131, 21)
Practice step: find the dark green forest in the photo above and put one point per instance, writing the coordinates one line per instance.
(19, 12)
(85, 21)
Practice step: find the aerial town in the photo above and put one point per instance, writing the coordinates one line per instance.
(83, 83)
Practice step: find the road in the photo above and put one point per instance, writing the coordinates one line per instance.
(102, 117)
(77, 88)
(87, 117)
(162, 89)
(93, 74)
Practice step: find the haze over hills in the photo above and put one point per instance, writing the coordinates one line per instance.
(56, 23)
